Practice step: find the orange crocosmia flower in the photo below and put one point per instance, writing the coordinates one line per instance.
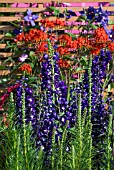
(100, 35)
(63, 63)
(26, 67)
(111, 46)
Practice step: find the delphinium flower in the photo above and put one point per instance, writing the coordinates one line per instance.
(30, 112)
(99, 15)
(99, 113)
(19, 105)
(31, 115)
(90, 12)
(54, 111)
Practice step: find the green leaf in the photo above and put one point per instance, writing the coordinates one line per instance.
(8, 35)
(32, 65)
(72, 35)
(61, 130)
(81, 18)
(93, 26)
(79, 69)
(84, 58)
(56, 13)
(72, 130)
(2, 68)
(31, 53)
(68, 58)
(55, 10)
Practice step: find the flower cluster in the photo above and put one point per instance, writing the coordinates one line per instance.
(26, 67)
(52, 24)
(63, 63)
(98, 15)
(30, 112)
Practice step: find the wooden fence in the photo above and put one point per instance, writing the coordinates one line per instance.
(9, 9)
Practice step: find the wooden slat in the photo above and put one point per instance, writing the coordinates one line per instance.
(6, 27)
(2, 46)
(75, 9)
(4, 72)
(14, 18)
(4, 55)
(48, 1)
(5, 37)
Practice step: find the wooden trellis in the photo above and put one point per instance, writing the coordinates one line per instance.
(40, 6)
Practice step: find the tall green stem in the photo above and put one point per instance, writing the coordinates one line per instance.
(24, 131)
(68, 94)
(53, 149)
(62, 145)
(109, 150)
(51, 53)
(79, 116)
(89, 112)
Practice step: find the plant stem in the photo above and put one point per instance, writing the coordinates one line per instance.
(89, 112)
(79, 116)
(68, 94)
(53, 150)
(24, 131)
(62, 145)
(109, 153)
(51, 52)
(73, 157)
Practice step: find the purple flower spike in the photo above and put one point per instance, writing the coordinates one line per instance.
(23, 57)
(30, 17)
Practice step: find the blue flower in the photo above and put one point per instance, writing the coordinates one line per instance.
(30, 17)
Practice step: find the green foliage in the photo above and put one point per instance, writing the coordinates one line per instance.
(55, 10)
(13, 156)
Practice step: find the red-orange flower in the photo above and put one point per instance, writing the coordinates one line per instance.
(35, 35)
(20, 37)
(26, 67)
(62, 50)
(42, 47)
(81, 41)
(64, 38)
(100, 35)
(63, 63)
(95, 51)
(111, 46)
